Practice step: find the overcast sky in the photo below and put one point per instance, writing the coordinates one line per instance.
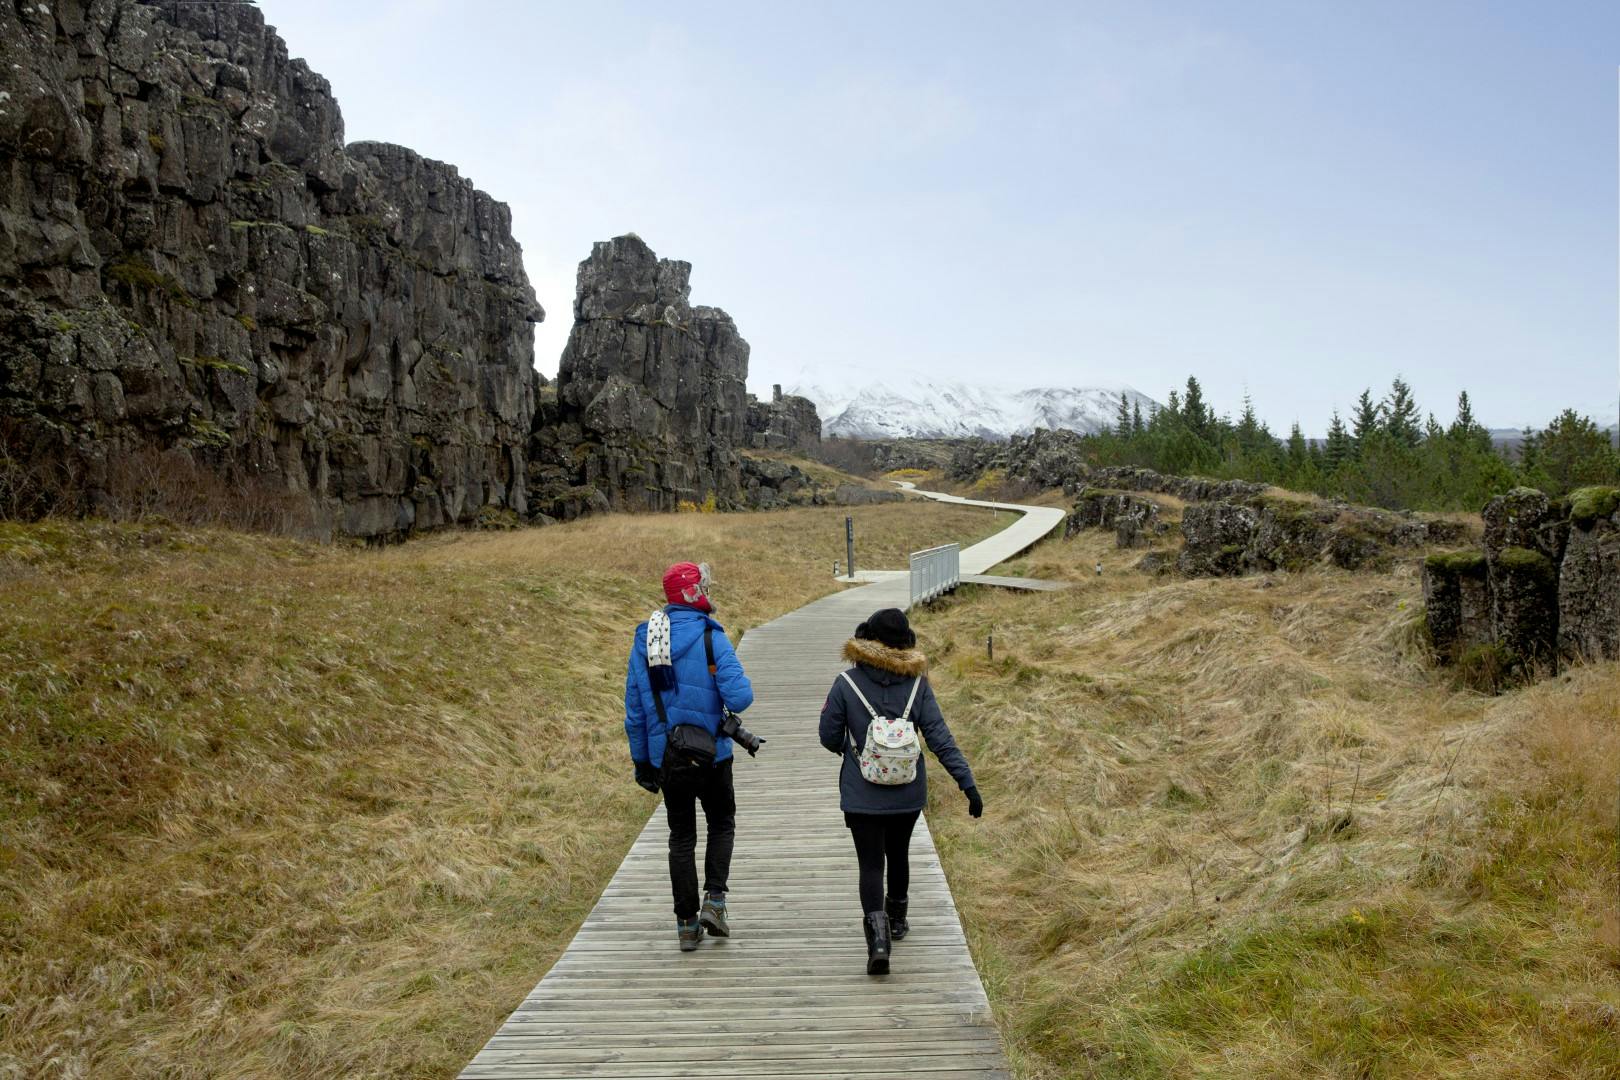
(1297, 198)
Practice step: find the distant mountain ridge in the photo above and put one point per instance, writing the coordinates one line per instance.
(908, 405)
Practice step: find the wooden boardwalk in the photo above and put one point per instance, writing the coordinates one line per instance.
(787, 995)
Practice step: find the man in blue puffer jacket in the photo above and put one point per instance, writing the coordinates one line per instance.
(691, 694)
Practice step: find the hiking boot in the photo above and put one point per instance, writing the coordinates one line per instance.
(877, 943)
(896, 910)
(713, 916)
(690, 933)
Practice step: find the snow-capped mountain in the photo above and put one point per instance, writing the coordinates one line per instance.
(912, 405)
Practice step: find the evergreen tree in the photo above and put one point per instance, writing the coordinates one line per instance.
(1366, 421)
(1465, 430)
(1195, 412)
(1247, 428)
(1122, 419)
(1401, 414)
(1340, 447)
(1529, 453)
(1572, 452)
(1137, 427)
(1298, 452)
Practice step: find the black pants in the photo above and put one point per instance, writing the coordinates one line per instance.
(713, 789)
(880, 838)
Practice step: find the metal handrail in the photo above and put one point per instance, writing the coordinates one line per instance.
(935, 571)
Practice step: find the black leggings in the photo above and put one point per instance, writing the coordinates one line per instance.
(879, 837)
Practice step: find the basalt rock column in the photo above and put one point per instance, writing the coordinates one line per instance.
(650, 399)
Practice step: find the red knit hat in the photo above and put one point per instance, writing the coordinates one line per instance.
(688, 583)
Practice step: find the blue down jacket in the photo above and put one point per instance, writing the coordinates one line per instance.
(697, 696)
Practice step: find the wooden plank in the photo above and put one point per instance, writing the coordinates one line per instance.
(1027, 584)
(787, 996)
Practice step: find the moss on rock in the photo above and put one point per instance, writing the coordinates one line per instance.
(1457, 563)
(1530, 564)
(1588, 504)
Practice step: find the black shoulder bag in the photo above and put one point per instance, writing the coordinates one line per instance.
(688, 748)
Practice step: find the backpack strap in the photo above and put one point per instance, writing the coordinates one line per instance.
(708, 648)
(912, 699)
(852, 686)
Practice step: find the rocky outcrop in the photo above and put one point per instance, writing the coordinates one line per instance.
(786, 422)
(1042, 459)
(1267, 534)
(1218, 539)
(859, 495)
(924, 454)
(1244, 531)
(1546, 588)
(1135, 520)
(772, 485)
(1589, 577)
(192, 263)
(649, 410)
(1457, 597)
(1185, 488)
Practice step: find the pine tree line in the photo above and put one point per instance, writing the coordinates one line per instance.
(1389, 453)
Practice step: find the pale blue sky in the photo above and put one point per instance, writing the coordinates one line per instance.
(1297, 198)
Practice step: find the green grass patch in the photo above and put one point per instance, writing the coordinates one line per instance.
(137, 275)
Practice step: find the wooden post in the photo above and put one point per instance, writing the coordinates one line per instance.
(849, 544)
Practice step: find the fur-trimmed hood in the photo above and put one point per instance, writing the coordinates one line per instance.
(904, 662)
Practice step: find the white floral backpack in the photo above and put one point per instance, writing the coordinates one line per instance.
(892, 747)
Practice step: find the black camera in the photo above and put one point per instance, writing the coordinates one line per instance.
(731, 727)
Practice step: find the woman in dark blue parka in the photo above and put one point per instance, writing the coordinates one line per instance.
(881, 817)
(698, 697)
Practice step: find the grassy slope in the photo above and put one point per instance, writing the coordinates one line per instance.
(1238, 828)
(273, 809)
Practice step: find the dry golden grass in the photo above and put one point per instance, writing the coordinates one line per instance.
(276, 810)
(1239, 828)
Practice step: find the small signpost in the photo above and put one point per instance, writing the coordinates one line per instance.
(849, 544)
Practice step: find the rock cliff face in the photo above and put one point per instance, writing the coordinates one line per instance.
(786, 422)
(1546, 588)
(650, 405)
(193, 263)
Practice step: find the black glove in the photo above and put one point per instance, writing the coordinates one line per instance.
(975, 804)
(647, 776)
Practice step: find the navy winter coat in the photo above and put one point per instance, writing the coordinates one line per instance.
(884, 676)
(697, 695)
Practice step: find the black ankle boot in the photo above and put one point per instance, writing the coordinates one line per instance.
(877, 943)
(896, 910)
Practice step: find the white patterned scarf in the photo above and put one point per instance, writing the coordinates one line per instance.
(660, 664)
